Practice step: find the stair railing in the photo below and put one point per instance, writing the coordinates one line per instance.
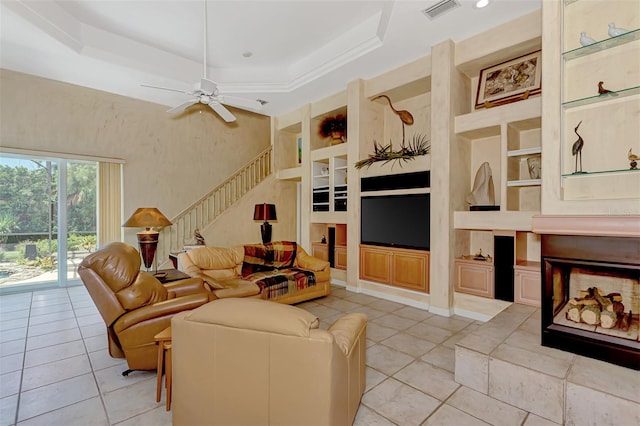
(204, 211)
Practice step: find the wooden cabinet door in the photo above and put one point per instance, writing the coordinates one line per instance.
(340, 258)
(321, 251)
(375, 264)
(410, 270)
(527, 286)
(474, 277)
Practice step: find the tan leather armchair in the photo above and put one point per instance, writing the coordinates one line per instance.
(135, 306)
(244, 361)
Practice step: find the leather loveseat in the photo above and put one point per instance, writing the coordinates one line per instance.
(244, 361)
(135, 306)
(241, 271)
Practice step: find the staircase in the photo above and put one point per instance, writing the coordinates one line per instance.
(204, 211)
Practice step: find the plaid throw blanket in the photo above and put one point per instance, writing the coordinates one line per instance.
(283, 282)
(267, 257)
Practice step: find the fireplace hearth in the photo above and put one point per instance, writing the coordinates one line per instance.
(591, 290)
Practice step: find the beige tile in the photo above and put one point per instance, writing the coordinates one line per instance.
(8, 410)
(431, 380)
(51, 327)
(13, 314)
(453, 340)
(442, 357)
(472, 369)
(533, 420)
(83, 304)
(373, 378)
(63, 307)
(51, 339)
(50, 294)
(95, 343)
(415, 314)
(527, 389)
(400, 403)
(587, 406)
(429, 332)
(13, 334)
(44, 303)
(11, 363)
(93, 330)
(486, 338)
(158, 416)
(605, 377)
(81, 312)
(386, 360)
(531, 342)
(409, 344)
(362, 299)
(323, 311)
(101, 359)
(83, 413)
(53, 353)
(386, 305)
(130, 401)
(14, 307)
(448, 415)
(90, 319)
(52, 317)
(486, 408)
(341, 305)
(533, 360)
(379, 333)
(368, 417)
(57, 395)
(453, 324)
(394, 321)
(12, 347)
(56, 371)
(369, 312)
(10, 324)
(10, 383)
(110, 379)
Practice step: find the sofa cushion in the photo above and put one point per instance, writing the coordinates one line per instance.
(213, 257)
(256, 259)
(281, 253)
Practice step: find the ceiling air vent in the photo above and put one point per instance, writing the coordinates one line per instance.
(440, 8)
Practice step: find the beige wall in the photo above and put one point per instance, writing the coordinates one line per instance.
(171, 161)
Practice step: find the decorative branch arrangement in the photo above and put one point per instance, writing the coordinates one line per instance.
(418, 145)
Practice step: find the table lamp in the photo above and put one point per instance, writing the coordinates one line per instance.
(147, 217)
(265, 212)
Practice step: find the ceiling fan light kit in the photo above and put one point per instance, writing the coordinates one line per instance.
(206, 91)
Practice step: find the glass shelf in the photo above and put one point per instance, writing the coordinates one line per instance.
(524, 182)
(601, 172)
(524, 151)
(602, 98)
(601, 45)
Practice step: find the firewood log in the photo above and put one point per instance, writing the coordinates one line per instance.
(582, 301)
(618, 308)
(573, 313)
(615, 297)
(590, 292)
(626, 322)
(608, 319)
(590, 314)
(605, 304)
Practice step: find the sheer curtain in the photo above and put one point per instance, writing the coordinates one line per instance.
(109, 202)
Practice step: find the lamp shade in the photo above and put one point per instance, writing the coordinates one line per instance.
(147, 217)
(265, 212)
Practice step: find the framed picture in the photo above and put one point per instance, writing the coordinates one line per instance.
(509, 81)
(299, 150)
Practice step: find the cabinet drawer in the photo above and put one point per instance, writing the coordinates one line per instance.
(474, 278)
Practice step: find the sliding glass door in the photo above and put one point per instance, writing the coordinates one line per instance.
(47, 220)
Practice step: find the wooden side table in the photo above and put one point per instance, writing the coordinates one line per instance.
(164, 361)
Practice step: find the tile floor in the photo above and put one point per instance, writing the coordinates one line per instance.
(55, 368)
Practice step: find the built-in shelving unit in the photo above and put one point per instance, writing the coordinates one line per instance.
(607, 123)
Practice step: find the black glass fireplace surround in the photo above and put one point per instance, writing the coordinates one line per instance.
(573, 268)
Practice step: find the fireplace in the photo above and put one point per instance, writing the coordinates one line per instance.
(591, 287)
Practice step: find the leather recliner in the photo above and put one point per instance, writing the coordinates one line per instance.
(244, 361)
(135, 306)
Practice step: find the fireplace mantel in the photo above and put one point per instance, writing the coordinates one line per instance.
(601, 225)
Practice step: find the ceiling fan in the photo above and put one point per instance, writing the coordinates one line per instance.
(206, 91)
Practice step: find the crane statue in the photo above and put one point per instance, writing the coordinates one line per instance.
(404, 115)
(576, 149)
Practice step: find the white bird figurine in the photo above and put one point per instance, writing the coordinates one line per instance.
(585, 40)
(614, 32)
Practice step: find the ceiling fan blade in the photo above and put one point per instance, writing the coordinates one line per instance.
(207, 86)
(166, 88)
(183, 106)
(243, 103)
(222, 111)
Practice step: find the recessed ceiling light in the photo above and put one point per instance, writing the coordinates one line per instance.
(482, 3)
(247, 54)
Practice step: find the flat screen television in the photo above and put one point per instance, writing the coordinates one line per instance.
(396, 220)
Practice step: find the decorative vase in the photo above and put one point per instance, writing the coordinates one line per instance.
(533, 163)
